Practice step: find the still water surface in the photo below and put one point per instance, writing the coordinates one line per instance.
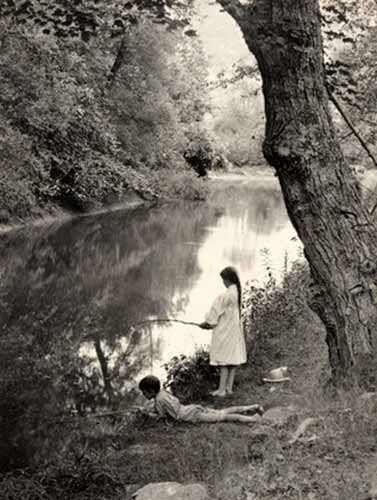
(94, 276)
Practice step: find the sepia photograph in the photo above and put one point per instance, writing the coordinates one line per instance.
(188, 250)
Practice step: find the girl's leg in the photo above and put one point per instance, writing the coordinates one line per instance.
(230, 379)
(223, 378)
(221, 391)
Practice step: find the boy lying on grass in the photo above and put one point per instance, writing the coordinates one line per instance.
(168, 405)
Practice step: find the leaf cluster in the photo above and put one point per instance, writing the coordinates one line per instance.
(190, 377)
(85, 19)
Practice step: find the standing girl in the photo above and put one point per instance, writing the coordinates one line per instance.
(228, 349)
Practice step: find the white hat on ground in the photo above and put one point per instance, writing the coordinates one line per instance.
(277, 375)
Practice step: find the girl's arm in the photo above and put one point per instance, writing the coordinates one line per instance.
(217, 309)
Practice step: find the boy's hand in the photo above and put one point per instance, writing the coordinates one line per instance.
(205, 326)
(150, 415)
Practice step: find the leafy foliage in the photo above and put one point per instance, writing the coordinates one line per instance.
(190, 376)
(237, 122)
(341, 23)
(72, 137)
(35, 390)
(277, 310)
(349, 32)
(86, 19)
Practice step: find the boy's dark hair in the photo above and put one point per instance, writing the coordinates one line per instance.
(150, 383)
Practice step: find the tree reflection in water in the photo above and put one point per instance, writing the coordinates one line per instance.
(90, 278)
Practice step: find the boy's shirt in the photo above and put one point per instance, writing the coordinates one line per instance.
(167, 405)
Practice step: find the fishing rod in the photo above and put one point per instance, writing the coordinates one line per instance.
(165, 320)
(157, 320)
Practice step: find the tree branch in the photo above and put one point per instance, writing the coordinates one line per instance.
(356, 134)
(354, 131)
(119, 60)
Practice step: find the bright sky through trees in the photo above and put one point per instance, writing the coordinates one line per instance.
(221, 37)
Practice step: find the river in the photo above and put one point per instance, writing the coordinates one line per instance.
(94, 276)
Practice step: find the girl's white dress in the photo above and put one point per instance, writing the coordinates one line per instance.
(228, 342)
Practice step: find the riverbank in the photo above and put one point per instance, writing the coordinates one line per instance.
(170, 192)
(56, 213)
(51, 213)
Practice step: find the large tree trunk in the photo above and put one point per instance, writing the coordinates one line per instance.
(322, 197)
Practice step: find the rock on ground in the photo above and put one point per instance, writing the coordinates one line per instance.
(171, 491)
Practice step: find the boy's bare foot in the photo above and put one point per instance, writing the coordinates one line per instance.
(255, 418)
(260, 410)
(229, 392)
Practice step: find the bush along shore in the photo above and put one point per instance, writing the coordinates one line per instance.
(21, 204)
(313, 442)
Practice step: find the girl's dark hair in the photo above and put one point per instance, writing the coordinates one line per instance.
(230, 274)
(150, 383)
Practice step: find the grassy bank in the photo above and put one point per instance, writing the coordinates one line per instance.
(335, 458)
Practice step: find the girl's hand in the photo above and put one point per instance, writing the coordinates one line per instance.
(205, 326)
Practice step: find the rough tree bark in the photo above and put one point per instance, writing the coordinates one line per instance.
(322, 197)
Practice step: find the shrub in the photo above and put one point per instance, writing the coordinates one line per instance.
(33, 397)
(181, 185)
(199, 153)
(280, 327)
(191, 376)
(16, 198)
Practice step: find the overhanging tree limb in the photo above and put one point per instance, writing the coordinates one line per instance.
(337, 105)
(356, 134)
